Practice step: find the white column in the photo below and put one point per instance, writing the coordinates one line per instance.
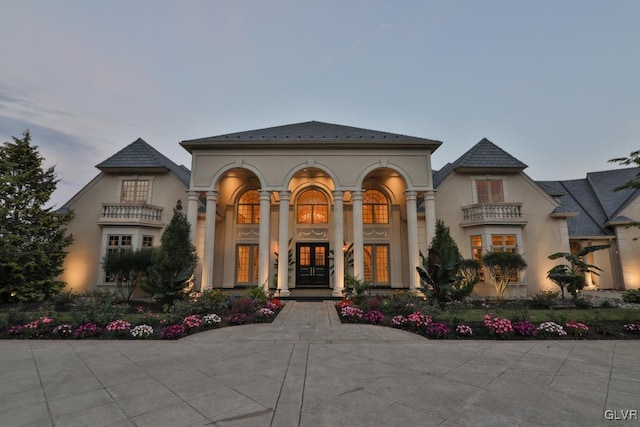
(192, 214)
(209, 240)
(412, 240)
(338, 243)
(358, 235)
(430, 215)
(264, 246)
(283, 245)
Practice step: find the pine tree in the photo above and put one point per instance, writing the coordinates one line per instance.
(32, 238)
(173, 262)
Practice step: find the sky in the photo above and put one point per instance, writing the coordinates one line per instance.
(554, 83)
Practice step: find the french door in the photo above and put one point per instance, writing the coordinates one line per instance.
(312, 266)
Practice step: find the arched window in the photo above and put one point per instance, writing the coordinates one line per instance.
(375, 207)
(313, 208)
(249, 208)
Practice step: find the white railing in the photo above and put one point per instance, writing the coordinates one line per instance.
(493, 212)
(131, 212)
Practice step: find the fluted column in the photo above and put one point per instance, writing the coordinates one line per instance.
(264, 247)
(358, 235)
(192, 214)
(283, 245)
(338, 242)
(209, 240)
(430, 215)
(412, 239)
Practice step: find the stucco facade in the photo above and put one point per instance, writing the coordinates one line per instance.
(304, 205)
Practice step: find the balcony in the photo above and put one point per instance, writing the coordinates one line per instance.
(492, 214)
(131, 214)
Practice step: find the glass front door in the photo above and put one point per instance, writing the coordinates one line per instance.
(312, 266)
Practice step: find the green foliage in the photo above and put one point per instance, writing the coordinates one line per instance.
(210, 301)
(172, 263)
(545, 299)
(258, 293)
(32, 238)
(501, 267)
(572, 276)
(631, 296)
(632, 184)
(444, 275)
(98, 306)
(356, 289)
(129, 267)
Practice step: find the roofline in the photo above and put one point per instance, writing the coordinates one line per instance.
(157, 169)
(308, 143)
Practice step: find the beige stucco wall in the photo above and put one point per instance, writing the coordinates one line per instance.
(537, 239)
(83, 265)
(629, 248)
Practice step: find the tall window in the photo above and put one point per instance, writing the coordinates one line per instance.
(249, 208)
(313, 208)
(134, 191)
(476, 253)
(376, 264)
(247, 264)
(375, 208)
(489, 190)
(116, 243)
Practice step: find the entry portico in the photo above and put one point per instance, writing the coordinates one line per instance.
(329, 200)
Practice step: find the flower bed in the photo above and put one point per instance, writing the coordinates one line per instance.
(410, 313)
(111, 322)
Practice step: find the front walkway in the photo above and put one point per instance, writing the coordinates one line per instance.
(308, 369)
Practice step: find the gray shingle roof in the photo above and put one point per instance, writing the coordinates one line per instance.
(311, 132)
(140, 156)
(486, 155)
(594, 199)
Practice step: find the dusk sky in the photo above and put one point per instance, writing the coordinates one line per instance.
(554, 83)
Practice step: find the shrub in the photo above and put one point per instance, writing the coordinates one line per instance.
(97, 307)
(524, 328)
(576, 328)
(118, 327)
(351, 313)
(142, 331)
(550, 329)
(399, 321)
(374, 317)
(237, 319)
(545, 299)
(265, 313)
(375, 303)
(172, 331)
(438, 330)
(209, 300)
(418, 320)
(632, 296)
(498, 326)
(244, 305)
(86, 330)
(192, 322)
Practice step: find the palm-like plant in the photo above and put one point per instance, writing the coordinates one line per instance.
(572, 276)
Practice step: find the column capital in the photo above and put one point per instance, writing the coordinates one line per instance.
(410, 194)
(430, 194)
(193, 195)
(212, 196)
(265, 195)
(284, 194)
(356, 194)
(337, 194)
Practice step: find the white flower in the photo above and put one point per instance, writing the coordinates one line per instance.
(142, 331)
(211, 319)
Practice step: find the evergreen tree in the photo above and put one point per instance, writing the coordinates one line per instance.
(173, 262)
(32, 238)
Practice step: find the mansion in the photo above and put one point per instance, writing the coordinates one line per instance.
(303, 205)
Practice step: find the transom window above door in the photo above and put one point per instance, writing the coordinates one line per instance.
(249, 208)
(313, 208)
(375, 207)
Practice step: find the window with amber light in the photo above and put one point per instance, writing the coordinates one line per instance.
(375, 207)
(247, 264)
(376, 264)
(477, 252)
(313, 208)
(489, 190)
(249, 208)
(505, 243)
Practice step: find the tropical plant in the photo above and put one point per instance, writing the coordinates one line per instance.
(572, 276)
(503, 267)
(356, 289)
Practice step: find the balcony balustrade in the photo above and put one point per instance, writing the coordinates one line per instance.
(492, 213)
(131, 214)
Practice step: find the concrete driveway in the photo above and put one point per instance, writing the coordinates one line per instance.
(307, 369)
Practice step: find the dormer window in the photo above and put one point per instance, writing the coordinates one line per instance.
(489, 190)
(134, 191)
